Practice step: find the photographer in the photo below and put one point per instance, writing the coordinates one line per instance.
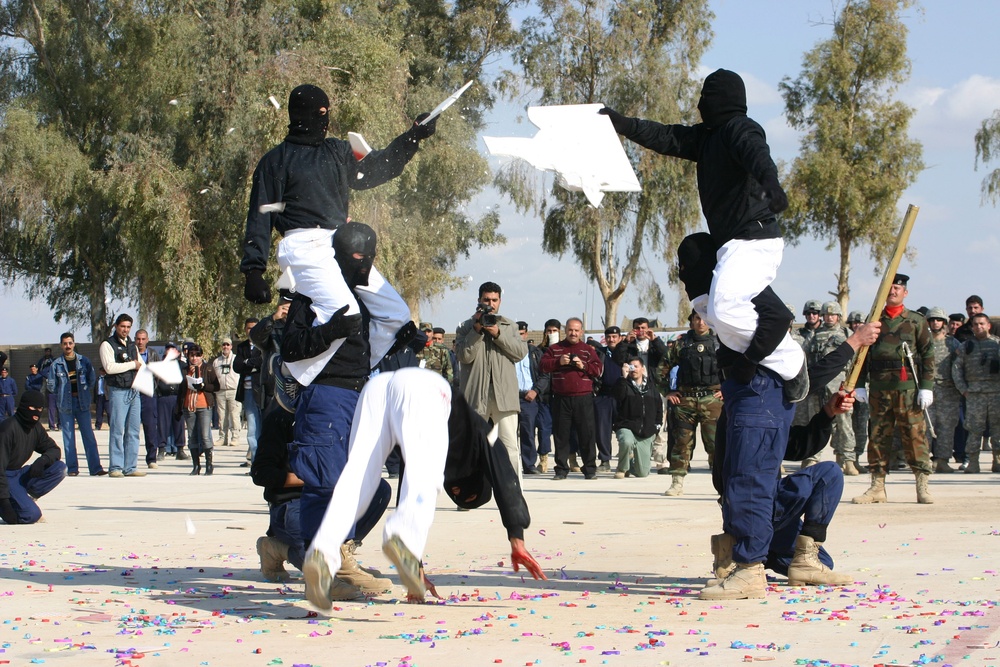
(640, 413)
(487, 346)
(573, 365)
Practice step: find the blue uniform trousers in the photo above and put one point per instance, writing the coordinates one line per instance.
(604, 415)
(24, 489)
(149, 414)
(526, 419)
(812, 494)
(172, 432)
(758, 419)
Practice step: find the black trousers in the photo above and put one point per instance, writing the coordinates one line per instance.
(569, 412)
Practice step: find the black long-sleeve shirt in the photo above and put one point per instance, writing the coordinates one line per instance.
(301, 340)
(17, 444)
(313, 183)
(732, 161)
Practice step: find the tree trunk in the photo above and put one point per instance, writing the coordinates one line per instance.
(611, 310)
(843, 284)
(98, 313)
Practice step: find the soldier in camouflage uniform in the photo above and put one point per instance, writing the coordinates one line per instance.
(805, 409)
(435, 357)
(861, 412)
(698, 398)
(947, 399)
(897, 398)
(976, 372)
(830, 335)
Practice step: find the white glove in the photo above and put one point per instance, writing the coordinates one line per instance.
(925, 398)
(861, 394)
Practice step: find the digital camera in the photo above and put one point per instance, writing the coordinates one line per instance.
(488, 317)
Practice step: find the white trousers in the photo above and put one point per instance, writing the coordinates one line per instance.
(309, 255)
(409, 408)
(742, 270)
(507, 431)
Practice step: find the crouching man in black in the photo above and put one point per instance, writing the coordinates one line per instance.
(20, 485)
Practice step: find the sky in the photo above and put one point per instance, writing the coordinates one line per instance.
(954, 85)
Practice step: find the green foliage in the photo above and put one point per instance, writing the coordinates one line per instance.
(131, 129)
(637, 56)
(987, 148)
(856, 158)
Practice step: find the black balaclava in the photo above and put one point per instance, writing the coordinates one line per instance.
(723, 96)
(308, 115)
(29, 410)
(349, 239)
(695, 263)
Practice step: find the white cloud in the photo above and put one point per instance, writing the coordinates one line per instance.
(949, 117)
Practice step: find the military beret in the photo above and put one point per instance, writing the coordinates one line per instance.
(438, 330)
(613, 330)
(900, 279)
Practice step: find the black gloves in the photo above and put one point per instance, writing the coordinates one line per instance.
(7, 512)
(405, 336)
(256, 290)
(778, 201)
(421, 132)
(623, 124)
(340, 326)
(37, 468)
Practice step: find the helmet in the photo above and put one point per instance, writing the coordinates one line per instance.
(831, 308)
(936, 313)
(790, 308)
(855, 316)
(812, 306)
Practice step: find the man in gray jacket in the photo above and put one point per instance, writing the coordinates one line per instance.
(487, 346)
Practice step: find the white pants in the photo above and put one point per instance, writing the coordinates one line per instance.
(507, 431)
(409, 408)
(309, 255)
(742, 270)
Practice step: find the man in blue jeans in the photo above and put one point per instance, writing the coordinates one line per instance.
(120, 360)
(71, 378)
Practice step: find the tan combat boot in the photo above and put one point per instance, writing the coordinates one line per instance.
(543, 462)
(574, 464)
(924, 496)
(941, 467)
(850, 469)
(676, 486)
(806, 569)
(722, 557)
(354, 574)
(875, 493)
(273, 554)
(746, 582)
(322, 588)
(972, 465)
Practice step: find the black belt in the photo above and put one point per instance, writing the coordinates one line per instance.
(354, 384)
(885, 365)
(699, 392)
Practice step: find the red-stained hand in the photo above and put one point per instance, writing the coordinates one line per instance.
(428, 585)
(521, 558)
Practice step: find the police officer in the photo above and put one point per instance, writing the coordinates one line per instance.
(827, 338)
(897, 398)
(947, 400)
(861, 411)
(698, 399)
(976, 373)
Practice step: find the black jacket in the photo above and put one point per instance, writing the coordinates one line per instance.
(17, 444)
(270, 464)
(638, 411)
(349, 366)
(248, 363)
(541, 382)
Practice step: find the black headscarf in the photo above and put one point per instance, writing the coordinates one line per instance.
(308, 115)
(29, 410)
(355, 237)
(723, 96)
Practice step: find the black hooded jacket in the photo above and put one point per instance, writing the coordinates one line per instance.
(18, 443)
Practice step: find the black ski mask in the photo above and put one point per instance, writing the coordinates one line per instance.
(29, 410)
(352, 238)
(695, 263)
(723, 96)
(308, 115)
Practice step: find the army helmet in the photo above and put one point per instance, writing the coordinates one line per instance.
(936, 313)
(831, 308)
(812, 306)
(855, 316)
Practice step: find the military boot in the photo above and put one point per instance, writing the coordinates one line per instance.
(996, 462)
(354, 574)
(941, 467)
(924, 496)
(676, 486)
(273, 554)
(543, 462)
(746, 582)
(850, 469)
(875, 493)
(574, 464)
(722, 557)
(806, 569)
(972, 465)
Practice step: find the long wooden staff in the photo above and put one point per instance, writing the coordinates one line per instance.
(883, 289)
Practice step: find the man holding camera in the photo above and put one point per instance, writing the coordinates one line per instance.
(573, 365)
(487, 346)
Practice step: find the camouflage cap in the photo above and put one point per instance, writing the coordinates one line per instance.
(426, 326)
(936, 313)
(855, 316)
(812, 306)
(831, 308)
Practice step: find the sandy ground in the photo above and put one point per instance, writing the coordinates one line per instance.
(162, 570)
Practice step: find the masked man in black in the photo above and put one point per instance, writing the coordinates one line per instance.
(20, 485)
